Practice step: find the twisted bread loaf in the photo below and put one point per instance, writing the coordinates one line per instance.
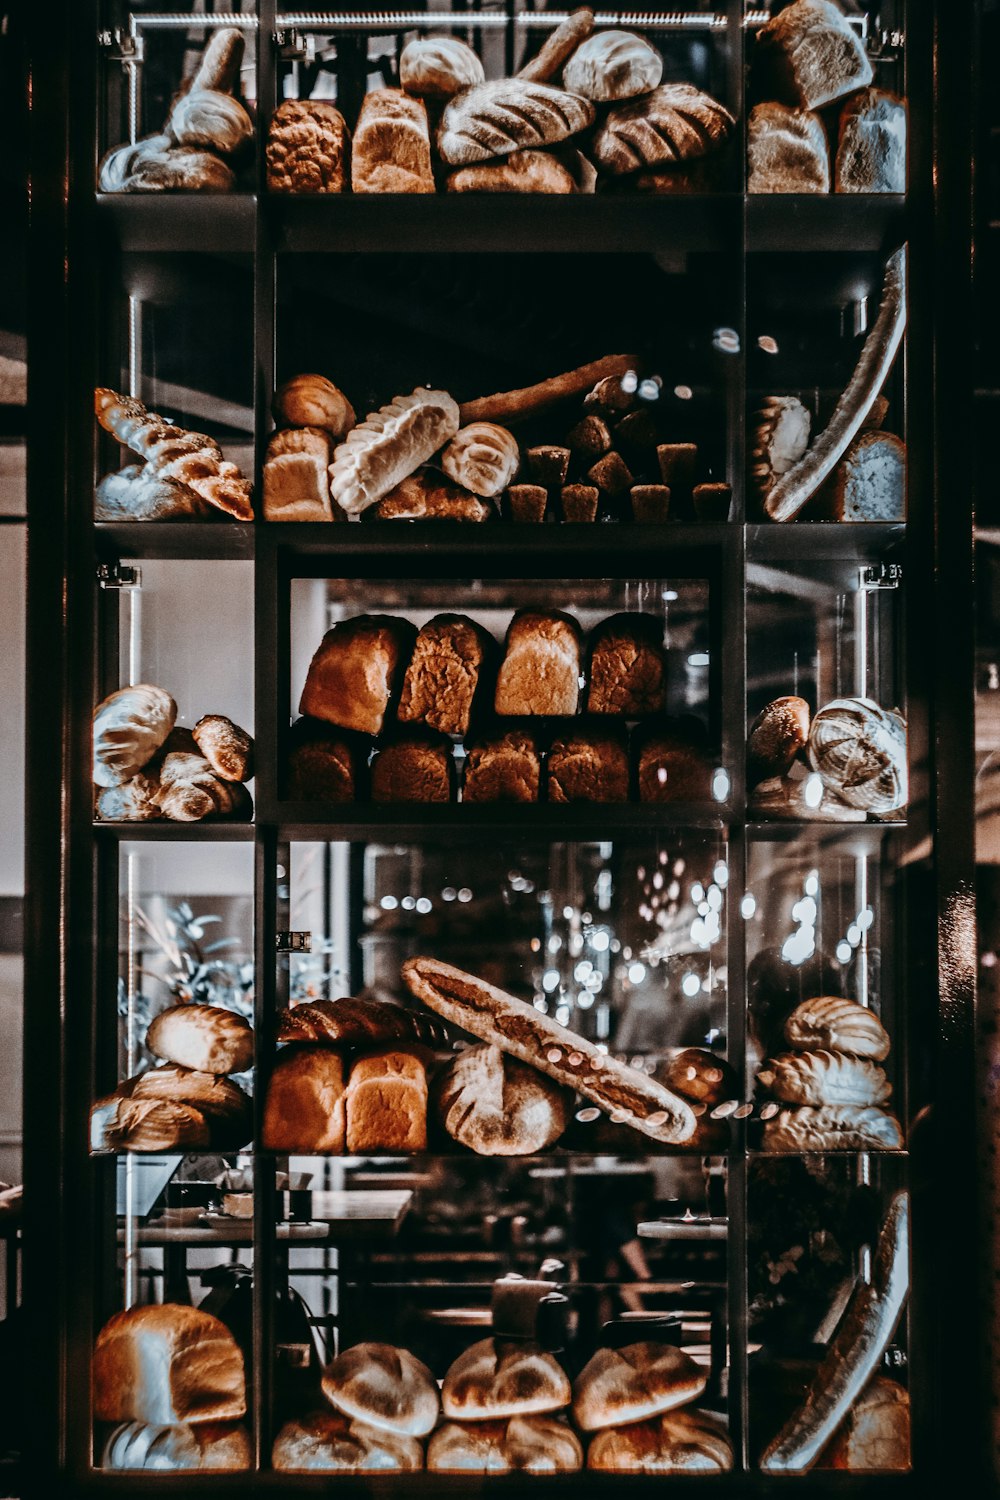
(173, 453)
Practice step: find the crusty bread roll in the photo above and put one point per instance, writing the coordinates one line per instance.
(210, 119)
(351, 1023)
(133, 802)
(503, 767)
(874, 1437)
(521, 172)
(207, 1038)
(787, 151)
(498, 1106)
(613, 65)
(483, 457)
(222, 1102)
(494, 119)
(676, 122)
(167, 1364)
(859, 750)
(227, 748)
(540, 671)
(304, 1107)
(589, 764)
(205, 1445)
(681, 1442)
(308, 146)
(834, 1127)
(632, 1383)
(814, 54)
(129, 727)
(392, 145)
(840, 1025)
(384, 1387)
(121, 1123)
(526, 1445)
(871, 153)
(329, 1440)
(385, 1102)
(778, 734)
(627, 671)
(296, 475)
(389, 445)
(446, 671)
(311, 401)
(437, 67)
(414, 766)
(823, 1077)
(428, 496)
(495, 1378)
(355, 669)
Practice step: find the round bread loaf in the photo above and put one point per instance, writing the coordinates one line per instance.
(120, 1123)
(384, 1387)
(223, 1104)
(829, 1022)
(209, 1445)
(494, 1378)
(527, 1445)
(304, 1107)
(313, 401)
(859, 750)
(875, 1435)
(498, 1106)
(438, 66)
(329, 1440)
(834, 1127)
(824, 1078)
(209, 118)
(494, 119)
(779, 733)
(680, 1442)
(227, 748)
(208, 1038)
(633, 1383)
(167, 1364)
(129, 727)
(613, 65)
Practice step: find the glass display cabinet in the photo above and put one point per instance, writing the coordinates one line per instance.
(496, 921)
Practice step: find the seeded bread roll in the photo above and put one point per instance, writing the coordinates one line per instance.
(414, 767)
(498, 1106)
(520, 172)
(450, 660)
(787, 151)
(129, 727)
(632, 1383)
(208, 1038)
(167, 1364)
(495, 119)
(311, 401)
(613, 65)
(296, 475)
(386, 1103)
(627, 666)
(308, 147)
(183, 1445)
(676, 122)
(871, 155)
(829, 1022)
(834, 1127)
(779, 733)
(504, 767)
(823, 1077)
(814, 55)
(227, 748)
(526, 1445)
(384, 1387)
(325, 765)
(389, 445)
(428, 496)
(354, 672)
(304, 1107)
(589, 765)
(679, 1442)
(495, 1378)
(392, 145)
(482, 457)
(540, 671)
(329, 1440)
(672, 763)
(353, 1022)
(437, 67)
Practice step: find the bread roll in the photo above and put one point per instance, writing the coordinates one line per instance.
(676, 122)
(527, 1445)
(308, 401)
(449, 661)
(384, 1387)
(540, 671)
(307, 148)
(483, 457)
(329, 1440)
(136, 493)
(503, 768)
(208, 1445)
(833, 1127)
(304, 1107)
(427, 496)
(672, 763)
(386, 1103)
(121, 1123)
(133, 802)
(787, 151)
(548, 464)
(859, 751)
(189, 789)
(869, 483)
(778, 734)
(494, 1378)
(227, 748)
(498, 1106)
(613, 65)
(696, 1073)
(814, 54)
(129, 727)
(627, 672)
(355, 670)
(494, 119)
(612, 475)
(841, 1025)
(438, 67)
(824, 1078)
(153, 169)
(414, 767)
(632, 1383)
(526, 503)
(392, 145)
(296, 475)
(874, 1437)
(520, 172)
(208, 1038)
(871, 154)
(167, 1364)
(389, 445)
(210, 119)
(682, 1442)
(353, 1023)
(326, 766)
(578, 502)
(222, 1102)
(589, 765)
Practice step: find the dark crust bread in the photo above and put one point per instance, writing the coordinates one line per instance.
(589, 765)
(779, 733)
(414, 766)
(676, 122)
(627, 666)
(307, 148)
(352, 1023)
(504, 767)
(341, 686)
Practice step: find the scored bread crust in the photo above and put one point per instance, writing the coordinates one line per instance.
(613, 65)
(498, 1106)
(329, 1440)
(389, 445)
(521, 172)
(844, 1026)
(834, 1127)
(385, 1387)
(522, 1444)
(630, 1384)
(494, 1378)
(678, 1442)
(494, 119)
(352, 1022)
(540, 670)
(676, 122)
(208, 1038)
(787, 151)
(494, 1016)
(823, 1077)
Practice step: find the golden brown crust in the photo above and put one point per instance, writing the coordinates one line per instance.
(444, 674)
(482, 457)
(822, 1077)
(779, 733)
(312, 402)
(415, 767)
(227, 748)
(392, 145)
(494, 1379)
(426, 496)
(677, 1442)
(841, 1025)
(508, 406)
(589, 765)
(540, 671)
(504, 768)
(386, 1102)
(627, 671)
(167, 1363)
(526, 171)
(498, 1106)
(208, 1038)
(675, 122)
(633, 1383)
(304, 1107)
(351, 1023)
(558, 46)
(436, 67)
(385, 1387)
(354, 671)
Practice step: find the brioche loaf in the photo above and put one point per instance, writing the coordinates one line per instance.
(304, 1106)
(384, 1387)
(129, 727)
(676, 122)
(167, 1364)
(632, 1383)
(495, 1378)
(503, 767)
(540, 671)
(627, 666)
(446, 670)
(498, 1106)
(494, 119)
(613, 65)
(814, 54)
(355, 670)
(329, 1440)
(392, 145)
(389, 445)
(307, 148)
(787, 151)
(386, 1102)
(207, 1038)
(415, 766)
(438, 67)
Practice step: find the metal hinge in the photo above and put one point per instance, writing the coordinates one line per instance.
(293, 942)
(124, 46)
(295, 46)
(881, 576)
(118, 575)
(886, 41)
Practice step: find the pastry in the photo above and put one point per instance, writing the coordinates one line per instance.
(560, 45)
(548, 464)
(498, 1106)
(385, 1103)
(526, 503)
(698, 1074)
(227, 748)
(613, 65)
(778, 734)
(296, 475)
(496, 1378)
(426, 496)
(449, 662)
(307, 148)
(589, 765)
(392, 145)
(329, 1440)
(589, 438)
(672, 764)
(221, 1102)
(355, 670)
(326, 766)
(779, 436)
(676, 122)
(821, 1077)
(787, 151)
(494, 1016)
(311, 401)
(167, 1364)
(830, 1022)
(438, 67)
(833, 1127)
(521, 1444)
(384, 1387)
(389, 445)
(494, 119)
(540, 671)
(650, 503)
(211, 120)
(859, 751)
(874, 1437)
(129, 727)
(189, 790)
(634, 1382)
(521, 172)
(304, 1105)
(120, 1123)
(207, 1038)
(178, 1445)
(132, 802)
(509, 406)
(132, 494)
(871, 153)
(503, 767)
(869, 483)
(814, 55)
(413, 767)
(680, 1442)
(627, 666)
(578, 502)
(482, 458)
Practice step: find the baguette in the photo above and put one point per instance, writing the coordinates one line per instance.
(508, 405)
(494, 1016)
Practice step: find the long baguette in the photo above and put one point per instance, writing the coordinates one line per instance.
(508, 406)
(862, 1338)
(494, 1016)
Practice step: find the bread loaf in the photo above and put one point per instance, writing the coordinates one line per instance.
(296, 475)
(632, 1383)
(498, 1106)
(483, 458)
(814, 55)
(526, 1445)
(386, 1102)
(681, 1442)
(392, 145)
(167, 1364)
(133, 802)
(329, 1440)
(384, 1387)
(355, 670)
(613, 65)
(389, 445)
(324, 766)
(869, 483)
(312, 401)
(189, 790)
(672, 764)
(304, 1107)
(206, 1445)
(778, 734)
(871, 153)
(450, 660)
(136, 494)
(438, 67)
(627, 666)
(220, 1101)
(503, 767)
(521, 172)
(558, 46)
(589, 765)
(426, 496)
(207, 1038)
(307, 148)
(874, 1437)
(833, 1127)
(822, 1077)
(121, 1123)
(859, 751)
(414, 767)
(831, 1022)
(227, 748)
(495, 1378)
(351, 1023)
(676, 122)
(212, 120)
(787, 151)
(779, 436)
(129, 727)
(540, 671)
(494, 119)
(153, 168)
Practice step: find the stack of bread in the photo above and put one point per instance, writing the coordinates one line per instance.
(189, 1104)
(588, 113)
(637, 1403)
(814, 79)
(171, 1379)
(834, 1092)
(146, 766)
(846, 761)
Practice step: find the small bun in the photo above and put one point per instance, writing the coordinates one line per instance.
(313, 401)
(613, 65)
(385, 1387)
(227, 748)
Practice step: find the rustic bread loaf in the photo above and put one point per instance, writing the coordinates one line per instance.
(613, 65)
(503, 767)
(676, 122)
(212, 120)
(437, 67)
(384, 1387)
(498, 1106)
(522, 1444)
(589, 764)
(871, 152)
(813, 54)
(448, 667)
(167, 1364)
(220, 1101)
(496, 1378)
(385, 1102)
(874, 1437)
(632, 1383)
(392, 145)
(308, 146)
(494, 119)
(121, 1123)
(521, 172)
(787, 151)
(325, 765)
(389, 445)
(304, 1105)
(353, 1022)
(677, 1443)
(859, 750)
(329, 1440)
(627, 666)
(540, 671)
(415, 766)
(178, 1445)
(207, 1038)
(869, 483)
(355, 669)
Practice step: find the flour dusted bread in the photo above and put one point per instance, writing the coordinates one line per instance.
(438, 67)
(787, 151)
(676, 122)
(210, 119)
(505, 766)
(483, 457)
(355, 670)
(389, 445)
(540, 671)
(181, 1445)
(384, 1387)
(413, 766)
(498, 1106)
(132, 494)
(822, 1077)
(168, 1363)
(589, 764)
(497, 1378)
(308, 148)
(207, 1038)
(841, 1025)
(392, 145)
(833, 1127)
(637, 1381)
(494, 119)
(627, 666)
(189, 790)
(221, 1102)
(680, 1442)
(525, 171)
(296, 475)
(304, 1106)
(813, 54)
(133, 802)
(522, 1444)
(859, 750)
(613, 65)
(450, 660)
(329, 1440)
(129, 727)
(871, 151)
(227, 748)
(386, 1102)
